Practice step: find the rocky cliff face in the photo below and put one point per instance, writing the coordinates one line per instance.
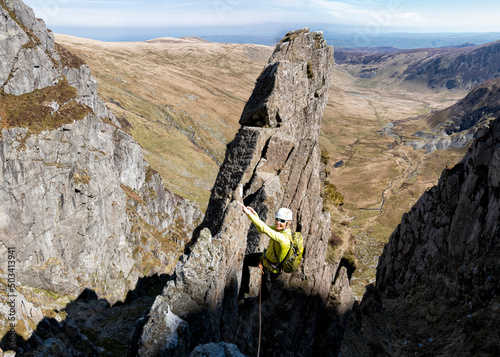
(78, 204)
(29, 60)
(438, 288)
(457, 125)
(273, 161)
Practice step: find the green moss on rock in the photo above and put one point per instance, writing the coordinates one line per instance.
(332, 196)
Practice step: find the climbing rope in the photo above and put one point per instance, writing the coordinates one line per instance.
(260, 308)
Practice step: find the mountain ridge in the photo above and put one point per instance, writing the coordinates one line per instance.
(430, 68)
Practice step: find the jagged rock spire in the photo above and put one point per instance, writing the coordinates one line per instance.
(273, 161)
(292, 85)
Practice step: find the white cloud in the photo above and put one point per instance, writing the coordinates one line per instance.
(370, 13)
(413, 16)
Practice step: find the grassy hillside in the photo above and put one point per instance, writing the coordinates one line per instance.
(181, 99)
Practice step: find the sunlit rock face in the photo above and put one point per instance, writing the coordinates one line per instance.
(77, 200)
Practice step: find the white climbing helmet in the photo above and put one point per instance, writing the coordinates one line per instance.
(284, 213)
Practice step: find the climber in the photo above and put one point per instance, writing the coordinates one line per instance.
(277, 250)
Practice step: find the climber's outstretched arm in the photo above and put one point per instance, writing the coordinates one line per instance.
(280, 237)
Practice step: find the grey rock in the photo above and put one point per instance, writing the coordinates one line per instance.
(173, 329)
(448, 226)
(438, 275)
(273, 161)
(83, 238)
(79, 203)
(29, 60)
(221, 349)
(86, 85)
(182, 298)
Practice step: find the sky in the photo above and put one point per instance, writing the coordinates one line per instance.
(219, 17)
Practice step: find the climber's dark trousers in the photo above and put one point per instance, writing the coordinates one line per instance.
(253, 260)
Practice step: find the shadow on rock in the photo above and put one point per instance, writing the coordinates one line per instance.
(293, 323)
(92, 326)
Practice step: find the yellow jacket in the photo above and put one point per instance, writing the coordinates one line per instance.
(279, 245)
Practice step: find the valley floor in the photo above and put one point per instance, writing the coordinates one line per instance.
(366, 131)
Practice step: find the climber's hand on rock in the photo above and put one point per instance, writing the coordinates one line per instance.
(247, 210)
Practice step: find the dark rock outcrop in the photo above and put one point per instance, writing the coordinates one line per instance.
(273, 161)
(438, 279)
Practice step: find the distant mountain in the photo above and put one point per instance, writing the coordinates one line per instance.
(271, 34)
(357, 39)
(457, 125)
(389, 49)
(407, 40)
(452, 68)
(360, 50)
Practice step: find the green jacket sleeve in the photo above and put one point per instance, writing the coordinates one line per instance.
(279, 237)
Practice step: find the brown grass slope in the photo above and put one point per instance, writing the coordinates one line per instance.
(37, 110)
(179, 98)
(379, 176)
